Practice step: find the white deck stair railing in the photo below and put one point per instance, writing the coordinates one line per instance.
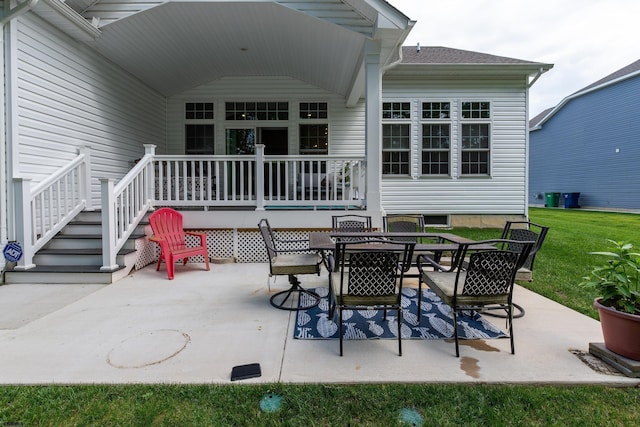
(43, 211)
(124, 205)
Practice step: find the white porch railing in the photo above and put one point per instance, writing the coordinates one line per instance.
(124, 205)
(260, 181)
(206, 181)
(43, 211)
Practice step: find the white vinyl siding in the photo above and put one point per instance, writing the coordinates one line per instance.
(69, 96)
(504, 191)
(346, 125)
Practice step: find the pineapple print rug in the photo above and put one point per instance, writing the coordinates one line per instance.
(434, 324)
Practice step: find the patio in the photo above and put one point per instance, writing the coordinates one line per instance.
(194, 329)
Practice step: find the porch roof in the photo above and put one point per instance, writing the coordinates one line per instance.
(178, 45)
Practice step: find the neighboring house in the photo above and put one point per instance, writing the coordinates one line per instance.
(235, 110)
(589, 144)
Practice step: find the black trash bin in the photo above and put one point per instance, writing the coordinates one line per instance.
(571, 200)
(552, 200)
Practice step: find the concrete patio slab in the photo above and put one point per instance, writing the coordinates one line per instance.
(196, 328)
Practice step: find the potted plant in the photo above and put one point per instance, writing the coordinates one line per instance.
(617, 281)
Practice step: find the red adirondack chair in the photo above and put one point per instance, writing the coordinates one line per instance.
(167, 229)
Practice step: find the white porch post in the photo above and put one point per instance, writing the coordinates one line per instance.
(24, 230)
(150, 149)
(373, 146)
(108, 226)
(85, 179)
(259, 177)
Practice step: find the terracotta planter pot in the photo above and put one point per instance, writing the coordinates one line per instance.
(621, 331)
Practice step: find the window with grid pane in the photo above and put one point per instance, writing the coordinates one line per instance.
(476, 110)
(436, 148)
(436, 110)
(396, 144)
(314, 139)
(198, 110)
(313, 110)
(199, 139)
(396, 110)
(475, 148)
(257, 111)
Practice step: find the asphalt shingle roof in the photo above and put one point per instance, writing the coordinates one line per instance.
(447, 55)
(631, 68)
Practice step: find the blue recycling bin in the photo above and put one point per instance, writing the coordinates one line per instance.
(571, 200)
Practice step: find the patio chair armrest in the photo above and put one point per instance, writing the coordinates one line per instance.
(202, 236)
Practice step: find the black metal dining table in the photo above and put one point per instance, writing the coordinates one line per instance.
(425, 241)
(325, 241)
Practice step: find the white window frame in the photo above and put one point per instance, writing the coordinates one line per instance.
(435, 121)
(397, 119)
(488, 121)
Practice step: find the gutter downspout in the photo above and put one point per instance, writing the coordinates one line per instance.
(541, 71)
(19, 10)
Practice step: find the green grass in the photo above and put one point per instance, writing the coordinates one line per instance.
(564, 258)
(317, 405)
(560, 265)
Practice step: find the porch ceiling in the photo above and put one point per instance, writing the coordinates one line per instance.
(177, 46)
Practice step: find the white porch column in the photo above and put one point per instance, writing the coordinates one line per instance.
(373, 146)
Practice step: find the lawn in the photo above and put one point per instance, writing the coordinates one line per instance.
(561, 263)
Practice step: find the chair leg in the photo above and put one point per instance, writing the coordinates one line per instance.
(510, 320)
(340, 328)
(455, 331)
(400, 331)
(170, 266)
(419, 298)
(279, 299)
(332, 303)
(159, 261)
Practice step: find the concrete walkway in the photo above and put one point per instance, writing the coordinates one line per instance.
(194, 329)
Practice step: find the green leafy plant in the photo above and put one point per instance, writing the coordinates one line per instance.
(618, 279)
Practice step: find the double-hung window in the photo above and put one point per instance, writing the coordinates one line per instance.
(436, 138)
(475, 138)
(396, 138)
(199, 128)
(314, 128)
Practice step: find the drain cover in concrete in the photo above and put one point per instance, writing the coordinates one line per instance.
(148, 348)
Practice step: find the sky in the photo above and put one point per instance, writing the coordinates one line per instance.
(585, 40)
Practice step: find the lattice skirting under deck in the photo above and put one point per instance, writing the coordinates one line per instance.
(242, 245)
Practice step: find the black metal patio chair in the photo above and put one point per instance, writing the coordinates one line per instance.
(372, 278)
(484, 282)
(290, 258)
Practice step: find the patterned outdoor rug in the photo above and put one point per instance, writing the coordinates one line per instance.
(435, 322)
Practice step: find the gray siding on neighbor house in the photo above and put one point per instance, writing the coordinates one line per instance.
(69, 96)
(591, 145)
(504, 192)
(346, 125)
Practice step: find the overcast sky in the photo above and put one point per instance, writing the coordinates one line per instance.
(584, 39)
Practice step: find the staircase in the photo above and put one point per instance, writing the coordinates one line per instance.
(74, 256)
